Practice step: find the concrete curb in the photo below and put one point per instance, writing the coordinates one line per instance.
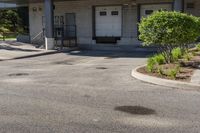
(41, 53)
(163, 82)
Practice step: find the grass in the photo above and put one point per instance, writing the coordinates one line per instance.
(9, 37)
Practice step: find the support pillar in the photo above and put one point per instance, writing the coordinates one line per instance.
(178, 5)
(49, 24)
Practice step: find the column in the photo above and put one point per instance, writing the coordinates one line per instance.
(49, 24)
(178, 5)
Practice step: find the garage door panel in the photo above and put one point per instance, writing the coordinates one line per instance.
(146, 10)
(108, 21)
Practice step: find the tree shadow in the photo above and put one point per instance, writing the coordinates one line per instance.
(111, 54)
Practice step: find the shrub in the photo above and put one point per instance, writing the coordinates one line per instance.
(187, 56)
(177, 54)
(168, 30)
(160, 71)
(172, 73)
(159, 59)
(198, 47)
(3, 30)
(151, 64)
(155, 61)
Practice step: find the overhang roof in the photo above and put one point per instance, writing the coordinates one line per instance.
(26, 1)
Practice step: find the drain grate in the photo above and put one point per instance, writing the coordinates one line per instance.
(18, 74)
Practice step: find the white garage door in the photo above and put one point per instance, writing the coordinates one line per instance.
(108, 21)
(146, 10)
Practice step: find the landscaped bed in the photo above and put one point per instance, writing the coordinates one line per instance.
(182, 70)
(174, 34)
(184, 75)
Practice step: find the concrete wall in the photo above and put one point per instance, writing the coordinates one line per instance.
(35, 21)
(83, 10)
(196, 10)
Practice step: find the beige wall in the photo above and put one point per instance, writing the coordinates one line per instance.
(196, 10)
(83, 10)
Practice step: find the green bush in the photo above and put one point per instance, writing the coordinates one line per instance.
(160, 71)
(187, 56)
(159, 59)
(177, 54)
(155, 61)
(151, 64)
(198, 47)
(168, 30)
(3, 30)
(172, 73)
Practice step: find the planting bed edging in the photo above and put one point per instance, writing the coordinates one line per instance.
(163, 82)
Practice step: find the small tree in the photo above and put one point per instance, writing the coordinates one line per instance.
(3, 30)
(168, 30)
(10, 20)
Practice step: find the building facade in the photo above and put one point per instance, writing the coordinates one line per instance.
(94, 23)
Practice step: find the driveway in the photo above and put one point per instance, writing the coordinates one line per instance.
(90, 92)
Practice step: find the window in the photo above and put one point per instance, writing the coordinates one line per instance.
(148, 12)
(190, 5)
(115, 13)
(103, 13)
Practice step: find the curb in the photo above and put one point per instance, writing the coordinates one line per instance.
(50, 52)
(163, 82)
(31, 55)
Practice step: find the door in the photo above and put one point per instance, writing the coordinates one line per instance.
(146, 10)
(70, 25)
(108, 21)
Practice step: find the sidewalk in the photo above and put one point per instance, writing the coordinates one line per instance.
(15, 50)
(196, 77)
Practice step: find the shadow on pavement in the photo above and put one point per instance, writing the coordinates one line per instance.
(111, 54)
(135, 110)
(10, 48)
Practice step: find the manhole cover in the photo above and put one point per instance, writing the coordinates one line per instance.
(18, 74)
(103, 68)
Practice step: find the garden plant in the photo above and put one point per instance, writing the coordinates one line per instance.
(172, 33)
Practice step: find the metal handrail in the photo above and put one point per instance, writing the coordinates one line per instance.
(36, 37)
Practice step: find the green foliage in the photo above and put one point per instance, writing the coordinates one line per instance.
(155, 60)
(3, 30)
(198, 47)
(151, 64)
(159, 59)
(177, 54)
(168, 30)
(187, 56)
(172, 73)
(160, 70)
(10, 21)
